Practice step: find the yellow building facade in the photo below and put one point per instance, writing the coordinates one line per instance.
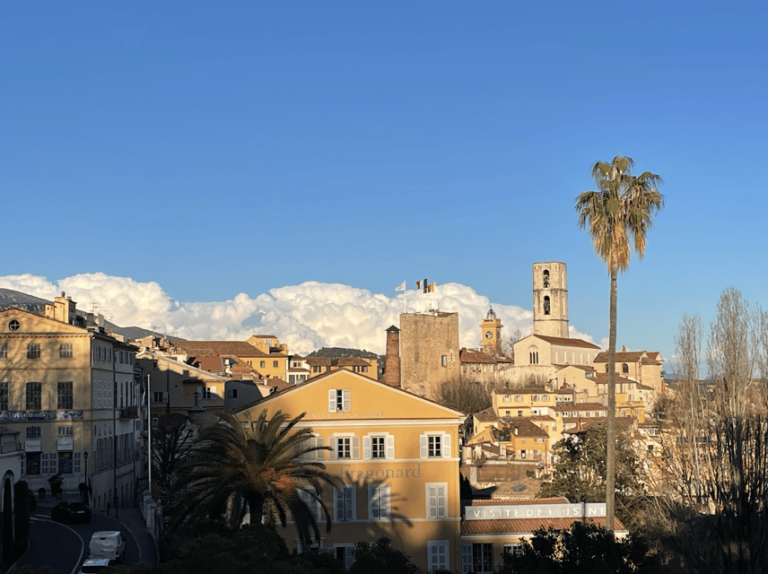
(397, 458)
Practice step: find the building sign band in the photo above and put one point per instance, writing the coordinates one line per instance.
(592, 509)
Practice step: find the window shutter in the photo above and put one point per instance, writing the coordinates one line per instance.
(54, 463)
(423, 452)
(367, 448)
(44, 463)
(338, 504)
(319, 454)
(466, 558)
(446, 446)
(24, 463)
(200, 393)
(390, 447)
(355, 447)
(332, 401)
(165, 398)
(334, 448)
(345, 397)
(349, 558)
(384, 500)
(349, 503)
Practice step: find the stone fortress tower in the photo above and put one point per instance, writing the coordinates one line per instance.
(550, 299)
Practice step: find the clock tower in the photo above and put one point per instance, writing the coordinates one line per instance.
(490, 330)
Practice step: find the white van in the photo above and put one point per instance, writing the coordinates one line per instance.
(109, 544)
(93, 565)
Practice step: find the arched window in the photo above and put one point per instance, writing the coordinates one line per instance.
(546, 279)
(533, 356)
(546, 305)
(625, 368)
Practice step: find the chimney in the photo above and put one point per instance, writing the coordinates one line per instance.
(392, 358)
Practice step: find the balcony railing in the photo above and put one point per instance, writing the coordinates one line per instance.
(131, 412)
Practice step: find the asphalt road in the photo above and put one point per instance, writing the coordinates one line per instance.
(63, 547)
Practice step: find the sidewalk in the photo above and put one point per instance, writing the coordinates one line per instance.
(130, 521)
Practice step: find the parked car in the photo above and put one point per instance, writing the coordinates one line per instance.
(109, 544)
(71, 512)
(93, 565)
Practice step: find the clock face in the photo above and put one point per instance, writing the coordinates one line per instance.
(488, 335)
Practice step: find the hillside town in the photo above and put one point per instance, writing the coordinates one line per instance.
(452, 485)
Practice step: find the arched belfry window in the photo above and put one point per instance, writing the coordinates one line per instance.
(546, 279)
(546, 305)
(625, 368)
(533, 356)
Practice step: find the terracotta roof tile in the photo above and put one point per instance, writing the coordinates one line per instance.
(621, 357)
(525, 526)
(214, 348)
(519, 501)
(567, 342)
(473, 356)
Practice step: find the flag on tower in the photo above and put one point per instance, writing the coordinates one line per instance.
(430, 288)
(422, 285)
(400, 287)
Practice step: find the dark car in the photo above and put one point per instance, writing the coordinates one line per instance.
(71, 512)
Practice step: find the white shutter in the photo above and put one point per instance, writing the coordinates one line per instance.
(334, 448)
(367, 448)
(423, 452)
(466, 558)
(446, 446)
(355, 447)
(390, 447)
(165, 398)
(349, 557)
(54, 463)
(319, 454)
(441, 505)
(349, 503)
(345, 396)
(332, 401)
(23, 463)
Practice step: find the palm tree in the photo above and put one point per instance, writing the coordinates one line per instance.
(257, 466)
(621, 210)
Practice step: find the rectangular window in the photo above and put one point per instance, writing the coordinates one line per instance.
(344, 447)
(378, 501)
(65, 351)
(34, 432)
(338, 400)
(66, 431)
(64, 401)
(3, 350)
(344, 504)
(482, 558)
(34, 396)
(444, 360)
(33, 462)
(262, 364)
(307, 494)
(3, 396)
(65, 463)
(433, 446)
(378, 447)
(33, 351)
(437, 555)
(436, 500)
(506, 398)
(274, 364)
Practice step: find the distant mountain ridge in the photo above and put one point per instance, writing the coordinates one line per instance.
(343, 352)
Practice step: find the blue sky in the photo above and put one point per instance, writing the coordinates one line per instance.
(239, 147)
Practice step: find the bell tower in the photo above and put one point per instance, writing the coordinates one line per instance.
(490, 330)
(550, 299)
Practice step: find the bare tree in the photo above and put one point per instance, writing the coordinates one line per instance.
(466, 396)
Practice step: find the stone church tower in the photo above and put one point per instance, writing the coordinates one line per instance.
(550, 299)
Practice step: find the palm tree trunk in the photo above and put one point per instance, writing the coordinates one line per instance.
(610, 455)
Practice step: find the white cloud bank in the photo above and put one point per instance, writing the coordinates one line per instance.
(308, 316)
